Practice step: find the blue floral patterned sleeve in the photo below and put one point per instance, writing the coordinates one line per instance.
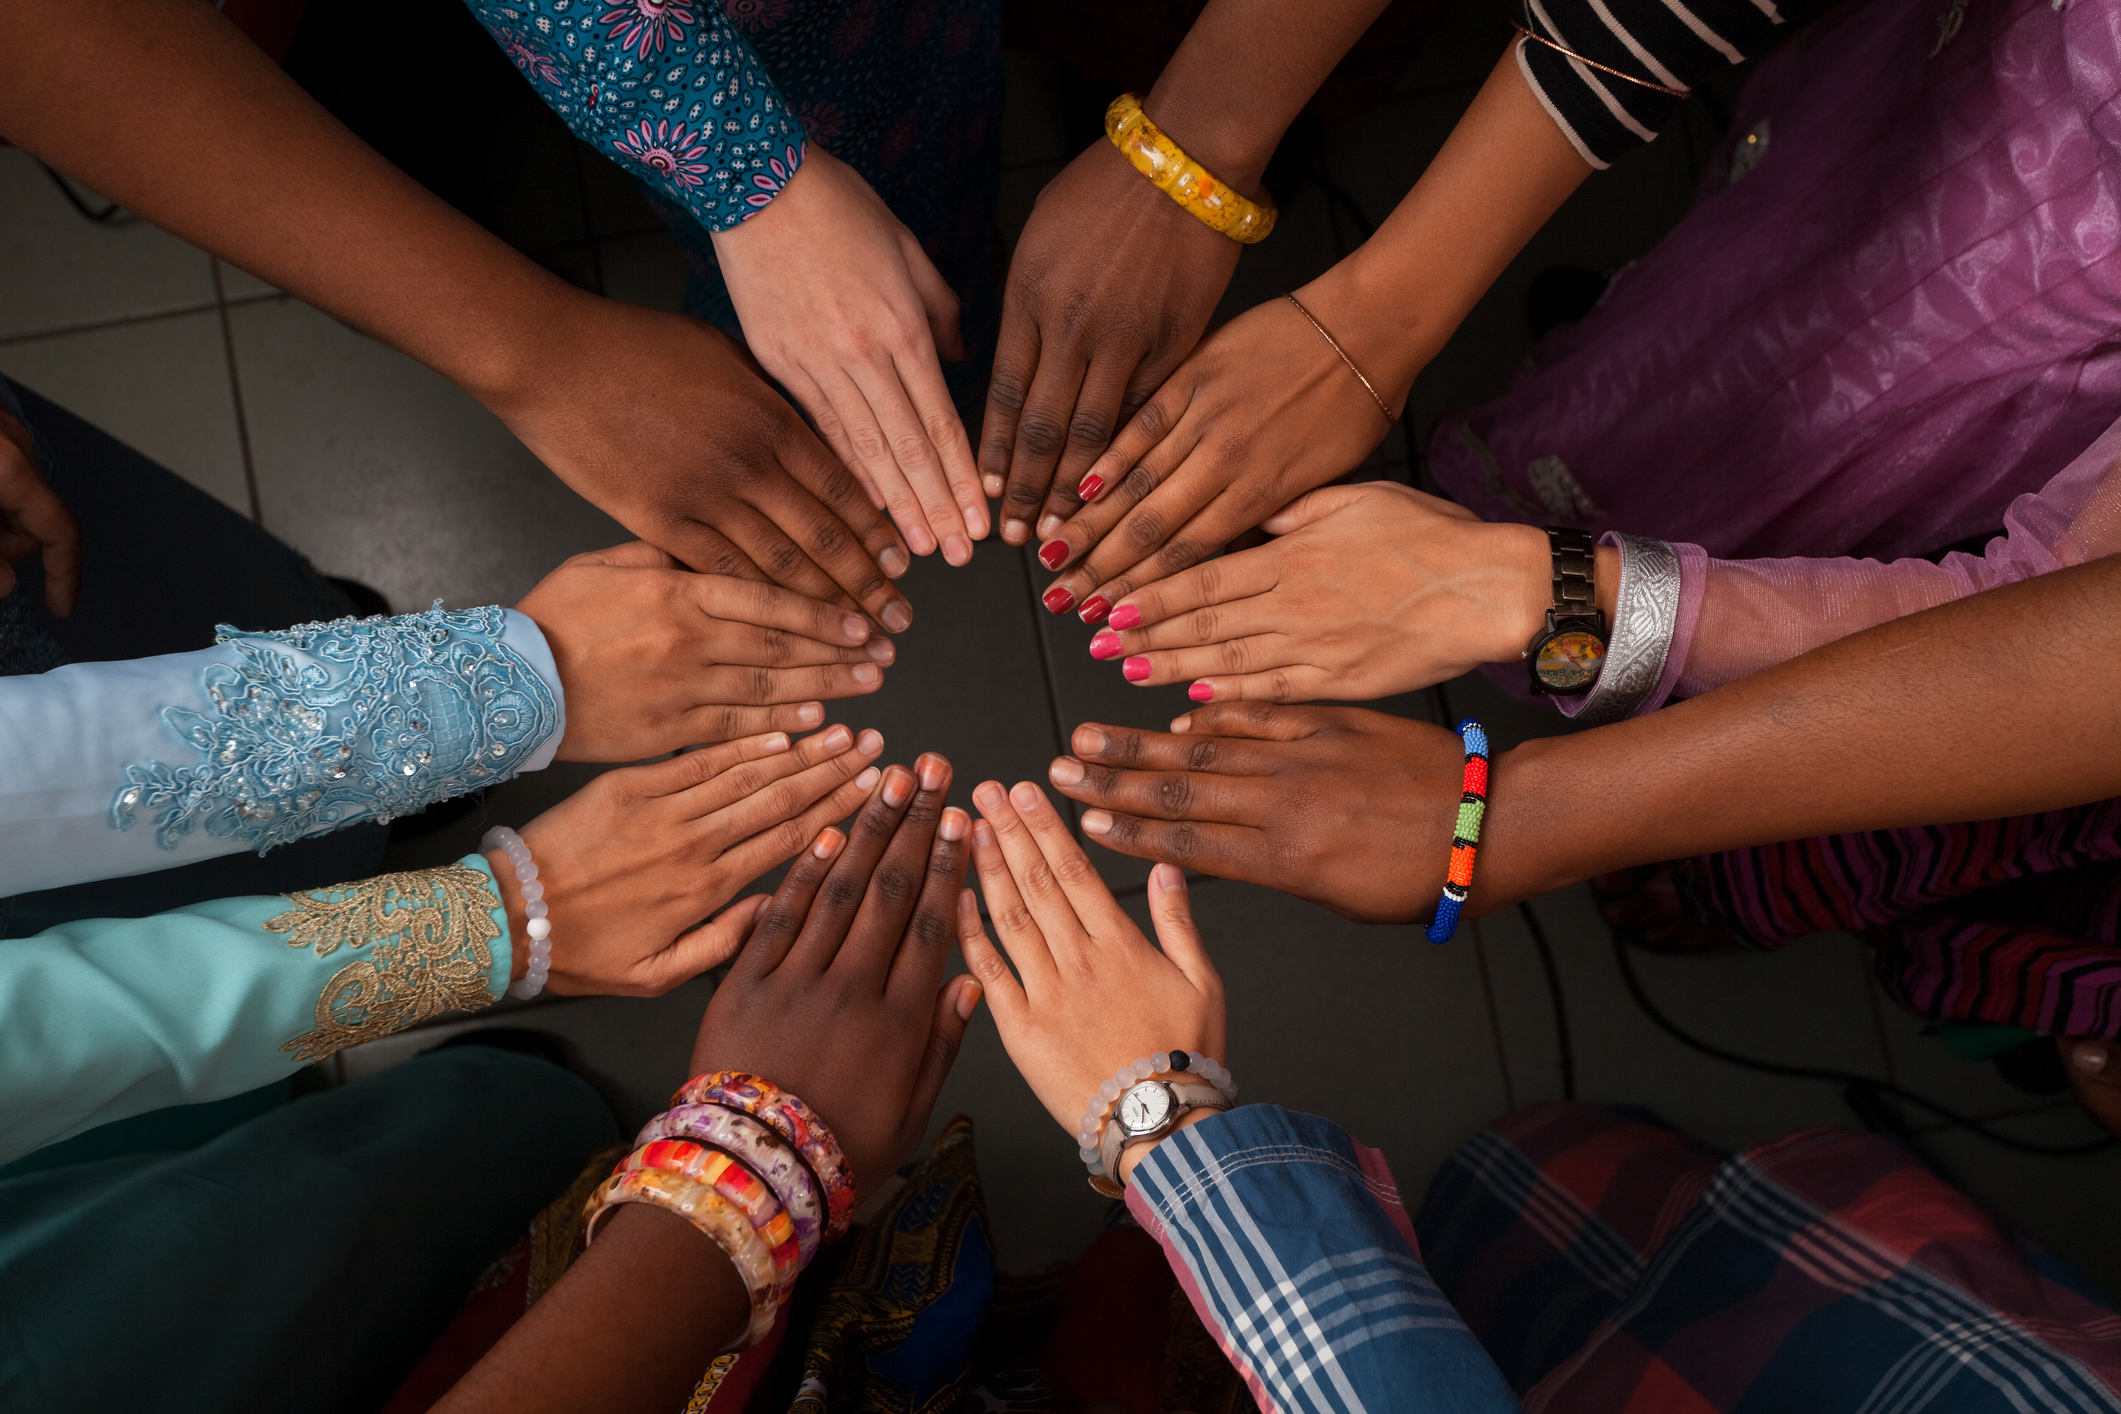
(666, 88)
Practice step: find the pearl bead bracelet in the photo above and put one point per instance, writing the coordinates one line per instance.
(500, 837)
(1091, 1130)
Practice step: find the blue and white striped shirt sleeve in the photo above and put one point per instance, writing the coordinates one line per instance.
(1285, 1243)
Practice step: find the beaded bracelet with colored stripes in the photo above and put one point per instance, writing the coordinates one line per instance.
(1465, 833)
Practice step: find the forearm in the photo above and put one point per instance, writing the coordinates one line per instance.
(164, 107)
(1986, 707)
(1244, 72)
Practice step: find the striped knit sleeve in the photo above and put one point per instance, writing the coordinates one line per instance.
(1291, 1243)
(1611, 72)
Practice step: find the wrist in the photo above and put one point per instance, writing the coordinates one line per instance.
(1233, 145)
(504, 878)
(511, 365)
(1134, 1153)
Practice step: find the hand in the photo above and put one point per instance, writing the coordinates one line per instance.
(1090, 994)
(1111, 285)
(1261, 413)
(1348, 808)
(840, 304)
(1372, 589)
(2094, 1068)
(838, 996)
(667, 427)
(634, 860)
(654, 657)
(33, 518)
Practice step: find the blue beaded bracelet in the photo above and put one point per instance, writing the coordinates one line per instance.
(1465, 833)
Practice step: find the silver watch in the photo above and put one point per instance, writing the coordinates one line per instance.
(1149, 1109)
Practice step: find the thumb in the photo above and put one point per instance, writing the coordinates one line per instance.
(954, 1005)
(1171, 912)
(1309, 507)
(937, 298)
(633, 555)
(713, 942)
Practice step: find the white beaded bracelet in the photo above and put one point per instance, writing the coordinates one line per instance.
(500, 837)
(1092, 1127)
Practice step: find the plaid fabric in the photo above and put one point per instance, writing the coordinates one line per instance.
(1612, 1266)
(1291, 1243)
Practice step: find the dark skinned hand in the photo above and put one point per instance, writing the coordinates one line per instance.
(33, 518)
(838, 994)
(2094, 1068)
(1110, 287)
(1338, 805)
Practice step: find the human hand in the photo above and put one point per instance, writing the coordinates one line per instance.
(1089, 994)
(839, 303)
(1262, 412)
(1111, 285)
(667, 427)
(837, 996)
(2094, 1068)
(1372, 589)
(634, 860)
(33, 518)
(654, 657)
(1349, 808)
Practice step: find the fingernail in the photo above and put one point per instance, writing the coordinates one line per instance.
(919, 540)
(967, 1000)
(1097, 822)
(1126, 616)
(982, 835)
(838, 740)
(1050, 527)
(1094, 610)
(934, 771)
(777, 742)
(1092, 485)
(1136, 669)
(898, 787)
(810, 713)
(897, 617)
(1104, 644)
(988, 796)
(1170, 878)
(1065, 771)
(828, 843)
(893, 562)
(957, 550)
(2089, 1057)
(976, 521)
(868, 674)
(1182, 725)
(856, 628)
(1015, 532)
(871, 741)
(954, 824)
(1058, 600)
(881, 650)
(1053, 554)
(1201, 692)
(1089, 741)
(867, 779)
(992, 485)
(1026, 796)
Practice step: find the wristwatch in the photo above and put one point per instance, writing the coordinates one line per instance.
(1567, 655)
(1148, 1110)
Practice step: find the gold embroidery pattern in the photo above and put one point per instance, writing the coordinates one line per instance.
(430, 929)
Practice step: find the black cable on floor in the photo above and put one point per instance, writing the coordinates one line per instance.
(1860, 1084)
(1561, 1011)
(73, 198)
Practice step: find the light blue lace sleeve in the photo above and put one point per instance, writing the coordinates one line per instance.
(121, 768)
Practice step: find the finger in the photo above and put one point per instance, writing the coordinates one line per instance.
(1013, 923)
(762, 687)
(764, 605)
(693, 769)
(932, 403)
(707, 946)
(759, 795)
(860, 405)
(1257, 721)
(780, 921)
(1201, 750)
(1090, 431)
(1041, 432)
(1297, 682)
(848, 537)
(1147, 430)
(1015, 365)
(1311, 507)
(1171, 913)
(938, 301)
(954, 1002)
(720, 722)
(926, 943)
(780, 843)
(633, 555)
(910, 445)
(1273, 662)
(804, 389)
(1226, 851)
(839, 903)
(702, 548)
(1166, 795)
(884, 922)
(1187, 519)
(1051, 871)
(1091, 530)
(1225, 581)
(1004, 993)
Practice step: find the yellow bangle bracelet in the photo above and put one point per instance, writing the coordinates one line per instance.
(1212, 201)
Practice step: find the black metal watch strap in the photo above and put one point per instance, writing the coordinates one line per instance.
(1575, 561)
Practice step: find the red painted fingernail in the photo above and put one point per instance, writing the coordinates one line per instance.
(1092, 484)
(1126, 616)
(1201, 692)
(1053, 554)
(1058, 600)
(1105, 645)
(1094, 610)
(1136, 669)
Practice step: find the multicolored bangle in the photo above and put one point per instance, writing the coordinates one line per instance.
(736, 1183)
(795, 1122)
(759, 1149)
(1465, 834)
(713, 1215)
(1192, 186)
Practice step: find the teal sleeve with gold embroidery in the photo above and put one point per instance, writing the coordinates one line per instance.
(108, 1018)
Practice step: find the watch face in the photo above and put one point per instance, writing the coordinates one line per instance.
(1143, 1108)
(1569, 661)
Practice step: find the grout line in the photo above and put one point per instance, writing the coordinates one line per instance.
(235, 393)
(120, 321)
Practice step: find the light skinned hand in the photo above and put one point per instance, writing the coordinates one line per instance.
(666, 425)
(1089, 993)
(654, 657)
(33, 518)
(1349, 808)
(1111, 285)
(634, 860)
(838, 996)
(1370, 590)
(1262, 412)
(840, 303)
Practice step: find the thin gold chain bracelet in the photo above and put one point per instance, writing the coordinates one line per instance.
(1334, 344)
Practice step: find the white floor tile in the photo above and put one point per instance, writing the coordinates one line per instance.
(160, 386)
(59, 271)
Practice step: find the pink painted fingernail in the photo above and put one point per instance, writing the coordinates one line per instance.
(1092, 484)
(1058, 600)
(1093, 609)
(1053, 554)
(1201, 692)
(1126, 616)
(1104, 644)
(1136, 669)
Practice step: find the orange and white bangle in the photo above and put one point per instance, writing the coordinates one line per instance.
(712, 1214)
(739, 1185)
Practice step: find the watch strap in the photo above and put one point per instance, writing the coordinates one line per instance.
(1575, 566)
(1184, 1098)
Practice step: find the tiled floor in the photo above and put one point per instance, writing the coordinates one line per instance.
(379, 470)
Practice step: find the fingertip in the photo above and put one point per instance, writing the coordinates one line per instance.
(893, 561)
(953, 825)
(882, 651)
(1015, 532)
(982, 835)
(810, 714)
(897, 616)
(871, 742)
(1026, 796)
(1181, 725)
(832, 743)
(1097, 823)
(867, 674)
(867, 780)
(988, 796)
(828, 842)
(992, 485)
(1169, 879)
(976, 519)
(933, 770)
(775, 743)
(2090, 1057)
(968, 995)
(1202, 691)
(957, 551)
